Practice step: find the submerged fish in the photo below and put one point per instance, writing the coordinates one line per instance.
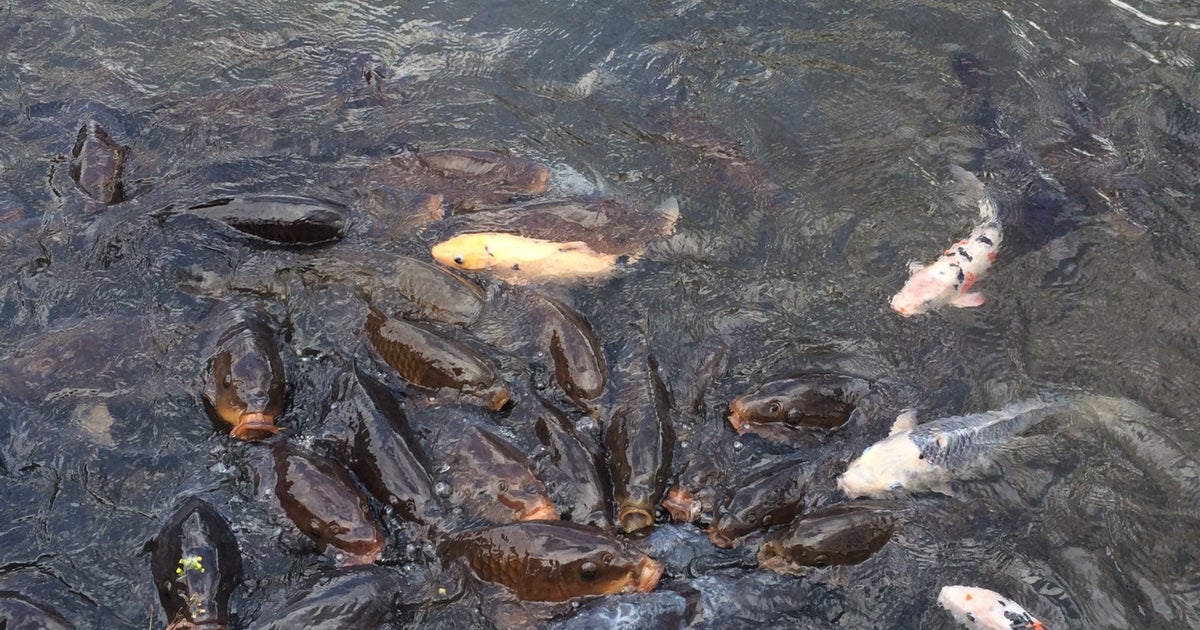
(18, 611)
(554, 560)
(467, 179)
(98, 164)
(520, 259)
(949, 279)
(843, 534)
(348, 597)
(196, 565)
(975, 607)
(244, 380)
(283, 219)
(927, 457)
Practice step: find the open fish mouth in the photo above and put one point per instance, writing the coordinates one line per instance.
(740, 424)
(649, 571)
(254, 426)
(681, 505)
(543, 511)
(719, 539)
(635, 518)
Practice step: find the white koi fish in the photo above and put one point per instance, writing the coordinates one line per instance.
(981, 609)
(918, 458)
(949, 279)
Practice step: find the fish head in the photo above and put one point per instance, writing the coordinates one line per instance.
(750, 409)
(884, 469)
(466, 251)
(681, 504)
(979, 607)
(245, 387)
(612, 571)
(926, 289)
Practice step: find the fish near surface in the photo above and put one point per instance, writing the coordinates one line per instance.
(490, 479)
(772, 496)
(518, 259)
(928, 457)
(18, 611)
(553, 561)
(427, 359)
(349, 597)
(824, 401)
(196, 565)
(282, 219)
(98, 164)
(244, 379)
(320, 498)
(639, 435)
(975, 607)
(467, 179)
(949, 279)
(842, 534)
(579, 365)
(383, 452)
(584, 477)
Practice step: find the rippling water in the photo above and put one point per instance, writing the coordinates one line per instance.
(850, 117)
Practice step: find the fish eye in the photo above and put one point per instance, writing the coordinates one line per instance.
(458, 260)
(227, 380)
(608, 559)
(750, 517)
(588, 570)
(774, 407)
(503, 486)
(895, 485)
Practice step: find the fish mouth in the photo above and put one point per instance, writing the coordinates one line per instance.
(634, 518)
(253, 426)
(543, 510)
(738, 420)
(768, 560)
(649, 571)
(496, 398)
(681, 505)
(719, 539)
(904, 311)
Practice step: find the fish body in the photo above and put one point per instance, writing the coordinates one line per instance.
(98, 164)
(196, 565)
(468, 180)
(950, 278)
(584, 477)
(927, 457)
(981, 609)
(244, 380)
(842, 534)
(823, 401)
(521, 259)
(553, 560)
(490, 479)
(427, 359)
(321, 499)
(18, 611)
(346, 597)
(761, 500)
(639, 435)
(282, 219)
(579, 364)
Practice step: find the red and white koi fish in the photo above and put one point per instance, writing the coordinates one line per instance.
(950, 278)
(982, 609)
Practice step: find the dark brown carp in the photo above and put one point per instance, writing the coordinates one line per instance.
(397, 211)
(196, 565)
(244, 380)
(772, 496)
(383, 452)
(427, 359)
(553, 561)
(579, 365)
(820, 401)
(350, 597)
(843, 534)
(320, 498)
(638, 435)
(282, 219)
(585, 486)
(98, 164)
(492, 480)
(18, 611)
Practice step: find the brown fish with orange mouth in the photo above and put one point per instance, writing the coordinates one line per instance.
(244, 381)
(771, 496)
(815, 401)
(554, 561)
(427, 359)
(320, 498)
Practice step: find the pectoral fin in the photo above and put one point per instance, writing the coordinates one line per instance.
(906, 421)
(914, 266)
(968, 300)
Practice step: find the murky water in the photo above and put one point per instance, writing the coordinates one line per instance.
(844, 119)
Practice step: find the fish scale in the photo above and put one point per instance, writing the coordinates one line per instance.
(951, 442)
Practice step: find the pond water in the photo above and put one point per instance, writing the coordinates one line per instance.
(810, 146)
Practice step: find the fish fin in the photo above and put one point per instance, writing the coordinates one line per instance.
(571, 246)
(906, 421)
(914, 266)
(968, 300)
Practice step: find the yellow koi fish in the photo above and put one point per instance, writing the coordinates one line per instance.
(519, 259)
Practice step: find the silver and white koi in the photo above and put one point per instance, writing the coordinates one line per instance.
(982, 609)
(949, 279)
(918, 458)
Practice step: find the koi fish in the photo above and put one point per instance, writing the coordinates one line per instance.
(980, 608)
(927, 457)
(519, 259)
(950, 278)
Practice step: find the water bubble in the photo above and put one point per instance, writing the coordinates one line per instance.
(586, 423)
(442, 489)
(683, 444)
(443, 468)
(738, 445)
